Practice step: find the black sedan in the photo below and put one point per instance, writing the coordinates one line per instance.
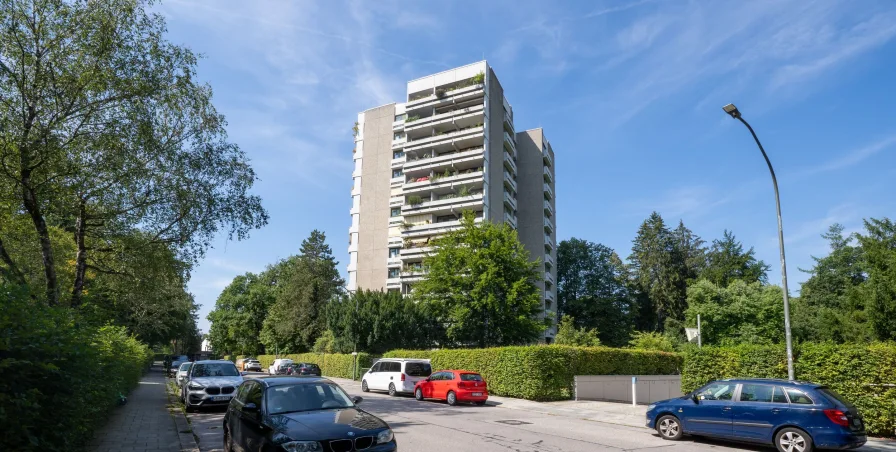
(301, 414)
(299, 369)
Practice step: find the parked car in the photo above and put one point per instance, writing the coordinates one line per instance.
(301, 414)
(176, 362)
(398, 376)
(300, 369)
(252, 365)
(453, 386)
(277, 364)
(795, 416)
(182, 373)
(210, 383)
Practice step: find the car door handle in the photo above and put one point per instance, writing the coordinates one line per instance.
(776, 410)
(726, 408)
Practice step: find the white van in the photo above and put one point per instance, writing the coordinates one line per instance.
(396, 375)
(277, 364)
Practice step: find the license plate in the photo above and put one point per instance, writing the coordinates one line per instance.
(857, 422)
(477, 394)
(220, 398)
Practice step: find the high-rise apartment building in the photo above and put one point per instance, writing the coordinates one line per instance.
(450, 147)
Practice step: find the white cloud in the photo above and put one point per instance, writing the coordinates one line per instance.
(852, 157)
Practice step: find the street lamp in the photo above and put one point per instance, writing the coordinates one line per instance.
(733, 111)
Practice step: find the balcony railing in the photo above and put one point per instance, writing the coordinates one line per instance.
(548, 210)
(509, 143)
(548, 193)
(479, 128)
(548, 177)
(431, 229)
(510, 219)
(509, 182)
(441, 178)
(509, 201)
(548, 161)
(548, 242)
(419, 208)
(427, 159)
(509, 163)
(449, 96)
(548, 226)
(414, 123)
(548, 259)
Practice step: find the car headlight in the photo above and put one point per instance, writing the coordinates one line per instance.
(651, 407)
(384, 436)
(195, 386)
(302, 446)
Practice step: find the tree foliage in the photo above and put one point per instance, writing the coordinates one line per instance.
(568, 334)
(239, 313)
(726, 261)
(879, 247)
(482, 285)
(742, 313)
(651, 340)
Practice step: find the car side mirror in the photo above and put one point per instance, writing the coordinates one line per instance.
(243, 373)
(695, 398)
(357, 399)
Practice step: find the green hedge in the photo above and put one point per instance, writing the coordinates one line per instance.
(331, 365)
(854, 371)
(61, 374)
(546, 372)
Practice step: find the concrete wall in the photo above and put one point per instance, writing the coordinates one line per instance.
(494, 177)
(376, 173)
(618, 388)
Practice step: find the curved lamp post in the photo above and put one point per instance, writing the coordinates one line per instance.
(732, 110)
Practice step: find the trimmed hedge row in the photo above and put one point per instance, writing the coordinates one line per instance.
(546, 372)
(61, 375)
(858, 372)
(331, 365)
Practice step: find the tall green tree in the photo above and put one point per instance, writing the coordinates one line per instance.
(742, 313)
(482, 285)
(592, 290)
(569, 334)
(726, 261)
(879, 247)
(105, 131)
(239, 314)
(307, 283)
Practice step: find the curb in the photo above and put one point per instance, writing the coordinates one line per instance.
(188, 442)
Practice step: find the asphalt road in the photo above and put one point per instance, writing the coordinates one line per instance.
(437, 427)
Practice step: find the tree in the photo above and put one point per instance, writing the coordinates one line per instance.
(742, 313)
(306, 284)
(239, 314)
(482, 285)
(879, 247)
(568, 334)
(105, 133)
(651, 340)
(591, 289)
(326, 343)
(832, 303)
(726, 261)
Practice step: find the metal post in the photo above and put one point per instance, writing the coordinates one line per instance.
(787, 337)
(699, 333)
(634, 391)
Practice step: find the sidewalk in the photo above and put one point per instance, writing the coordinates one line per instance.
(606, 412)
(144, 423)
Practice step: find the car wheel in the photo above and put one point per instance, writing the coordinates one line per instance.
(669, 428)
(190, 408)
(228, 442)
(452, 398)
(480, 402)
(392, 391)
(418, 394)
(793, 440)
(364, 387)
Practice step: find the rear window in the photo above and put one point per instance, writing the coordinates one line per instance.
(833, 396)
(470, 377)
(215, 370)
(418, 369)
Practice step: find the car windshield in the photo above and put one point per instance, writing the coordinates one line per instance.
(418, 369)
(185, 366)
(470, 377)
(215, 370)
(306, 397)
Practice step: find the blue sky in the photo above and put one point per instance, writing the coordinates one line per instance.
(629, 93)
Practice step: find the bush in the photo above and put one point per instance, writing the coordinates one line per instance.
(643, 340)
(331, 365)
(61, 375)
(546, 372)
(856, 371)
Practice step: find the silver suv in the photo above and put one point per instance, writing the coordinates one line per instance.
(210, 383)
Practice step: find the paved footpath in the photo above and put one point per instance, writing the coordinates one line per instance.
(144, 423)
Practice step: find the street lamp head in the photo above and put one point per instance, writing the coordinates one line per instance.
(731, 110)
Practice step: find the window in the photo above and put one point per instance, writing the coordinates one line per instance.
(397, 136)
(376, 367)
(400, 117)
(396, 211)
(306, 397)
(798, 397)
(253, 394)
(833, 396)
(470, 377)
(395, 367)
(761, 393)
(215, 370)
(418, 369)
(716, 391)
(397, 154)
(397, 172)
(393, 252)
(393, 273)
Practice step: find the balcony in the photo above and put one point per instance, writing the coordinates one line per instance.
(509, 182)
(418, 250)
(457, 135)
(548, 160)
(548, 243)
(548, 210)
(454, 96)
(473, 113)
(549, 277)
(548, 193)
(548, 177)
(509, 163)
(549, 295)
(396, 201)
(436, 182)
(400, 142)
(425, 163)
(548, 259)
(393, 261)
(448, 205)
(548, 226)
(509, 201)
(433, 229)
(510, 219)
(393, 283)
(509, 144)
(508, 124)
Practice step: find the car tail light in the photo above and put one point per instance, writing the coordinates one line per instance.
(402, 377)
(462, 384)
(838, 417)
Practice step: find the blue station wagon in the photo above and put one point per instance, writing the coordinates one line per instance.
(795, 416)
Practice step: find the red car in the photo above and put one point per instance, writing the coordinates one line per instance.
(453, 386)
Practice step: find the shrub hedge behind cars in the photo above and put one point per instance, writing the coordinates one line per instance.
(861, 373)
(331, 365)
(61, 374)
(546, 372)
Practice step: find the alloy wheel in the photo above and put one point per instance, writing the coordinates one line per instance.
(392, 390)
(792, 442)
(669, 428)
